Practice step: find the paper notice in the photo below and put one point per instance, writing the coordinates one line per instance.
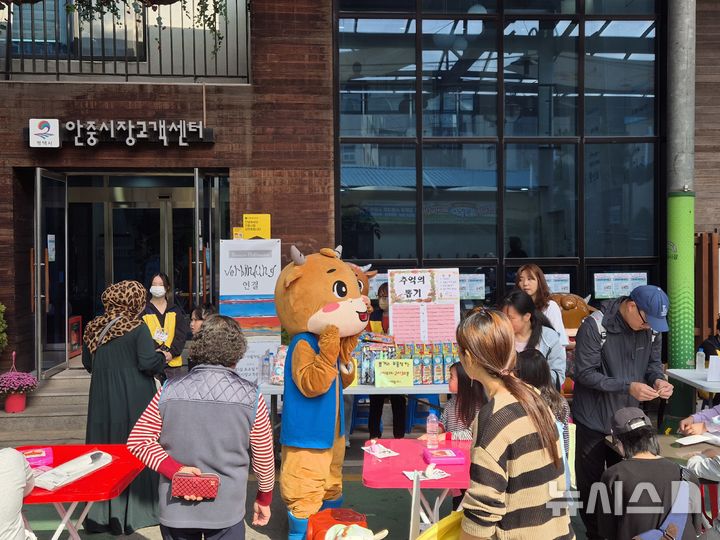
(441, 324)
(406, 323)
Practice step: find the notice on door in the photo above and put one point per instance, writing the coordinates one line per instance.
(51, 247)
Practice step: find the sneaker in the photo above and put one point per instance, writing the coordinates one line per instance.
(347, 443)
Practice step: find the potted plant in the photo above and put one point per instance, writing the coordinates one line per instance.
(15, 385)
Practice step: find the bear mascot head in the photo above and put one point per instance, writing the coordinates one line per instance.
(317, 291)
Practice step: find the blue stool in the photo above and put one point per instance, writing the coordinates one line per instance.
(361, 413)
(413, 417)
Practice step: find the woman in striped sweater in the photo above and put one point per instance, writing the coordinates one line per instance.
(517, 469)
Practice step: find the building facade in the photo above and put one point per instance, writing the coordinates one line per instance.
(477, 134)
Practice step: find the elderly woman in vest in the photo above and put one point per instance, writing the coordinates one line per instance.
(209, 421)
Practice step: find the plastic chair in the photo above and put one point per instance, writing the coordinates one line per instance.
(361, 414)
(414, 417)
(447, 528)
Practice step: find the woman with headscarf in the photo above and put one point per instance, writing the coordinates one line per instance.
(119, 352)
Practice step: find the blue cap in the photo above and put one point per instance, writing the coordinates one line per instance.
(655, 303)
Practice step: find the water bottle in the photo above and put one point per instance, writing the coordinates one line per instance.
(432, 431)
(267, 362)
(700, 360)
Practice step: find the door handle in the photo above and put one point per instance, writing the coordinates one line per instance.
(47, 282)
(32, 280)
(190, 279)
(204, 275)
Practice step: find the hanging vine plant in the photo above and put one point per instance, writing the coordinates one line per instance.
(204, 15)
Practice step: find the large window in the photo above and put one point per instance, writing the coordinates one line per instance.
(482, 134)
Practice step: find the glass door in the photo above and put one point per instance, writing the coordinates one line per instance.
(50, 273)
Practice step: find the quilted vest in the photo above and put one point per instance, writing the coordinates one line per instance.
(207, 416)
(309, 422)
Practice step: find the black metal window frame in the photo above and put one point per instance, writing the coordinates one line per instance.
(583, 265)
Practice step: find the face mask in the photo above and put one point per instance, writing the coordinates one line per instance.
(158, 291)
(383, 304)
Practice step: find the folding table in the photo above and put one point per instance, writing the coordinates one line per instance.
(387, 473)
(101, 485)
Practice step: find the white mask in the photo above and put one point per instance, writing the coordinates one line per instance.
(158, 291)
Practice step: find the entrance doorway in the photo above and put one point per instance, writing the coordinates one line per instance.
(124, 226)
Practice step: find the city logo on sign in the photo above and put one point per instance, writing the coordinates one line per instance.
(44, 132)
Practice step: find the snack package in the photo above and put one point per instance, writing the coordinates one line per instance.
(427, 372)
(417, 370)
(374, 337)
(448, 361)
(277, 369)
(438, 369)
(39, 457)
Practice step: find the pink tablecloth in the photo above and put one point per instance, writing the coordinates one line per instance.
(387, 473)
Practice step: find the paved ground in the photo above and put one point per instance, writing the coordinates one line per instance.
(385, 509)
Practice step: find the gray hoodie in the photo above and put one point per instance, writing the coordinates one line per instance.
(603, 374)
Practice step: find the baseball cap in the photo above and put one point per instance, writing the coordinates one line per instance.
(655, 303)
(629, 419)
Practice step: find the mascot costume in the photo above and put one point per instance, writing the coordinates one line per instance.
(320, 305)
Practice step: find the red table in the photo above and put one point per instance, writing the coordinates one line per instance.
(101, 485)
(387, 473)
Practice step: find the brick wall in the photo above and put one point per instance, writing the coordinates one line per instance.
(275, 137)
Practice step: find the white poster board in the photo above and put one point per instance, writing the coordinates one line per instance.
(424, 304)
(616, 284)
(558, 283)
(375, 282)
(250, 365)
(472, 286)
(248, 272)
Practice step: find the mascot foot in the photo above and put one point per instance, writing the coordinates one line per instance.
(297, 527)
(337, 503)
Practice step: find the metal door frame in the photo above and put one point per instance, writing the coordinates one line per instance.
(39, 268)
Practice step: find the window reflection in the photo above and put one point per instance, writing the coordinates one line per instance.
(377, 5)
(540, 6)
(377, 77)
(620, 7)
(459, 78)
(473, 7)
(377, 199)
(459, 200)
(620, 78)
(619, 200)
(540, 64)
(540, 200)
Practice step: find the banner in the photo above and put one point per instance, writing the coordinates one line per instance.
(424, 304)
(248, 272)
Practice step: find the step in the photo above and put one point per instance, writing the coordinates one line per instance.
(71, 374)
(57, 398)
(45, 418)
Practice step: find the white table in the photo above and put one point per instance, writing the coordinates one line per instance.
(697, 378)
(274, 390)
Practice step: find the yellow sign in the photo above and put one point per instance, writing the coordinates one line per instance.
(256, 226)
(355, 367)
(237, 233)
(394, 372)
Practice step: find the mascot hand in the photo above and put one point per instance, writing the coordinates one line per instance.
(330, 344)
(347, 366)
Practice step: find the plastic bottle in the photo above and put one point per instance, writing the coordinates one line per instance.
(700, 360)
(266, 367)
(432, 431)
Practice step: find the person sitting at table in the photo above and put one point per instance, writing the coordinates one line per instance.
(209, 421)
(533, 330)
(533, 368)
(17, 481)
(459, 412)
(516, 457)
(641, 489)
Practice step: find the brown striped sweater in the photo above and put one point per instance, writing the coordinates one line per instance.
(510, 476)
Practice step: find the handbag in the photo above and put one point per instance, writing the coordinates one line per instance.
(187, 484)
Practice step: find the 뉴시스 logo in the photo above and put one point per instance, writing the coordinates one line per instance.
(44, 132)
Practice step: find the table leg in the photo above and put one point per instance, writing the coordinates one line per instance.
(425, 511)
(83, 514)
(438, 503)
(65, 516)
